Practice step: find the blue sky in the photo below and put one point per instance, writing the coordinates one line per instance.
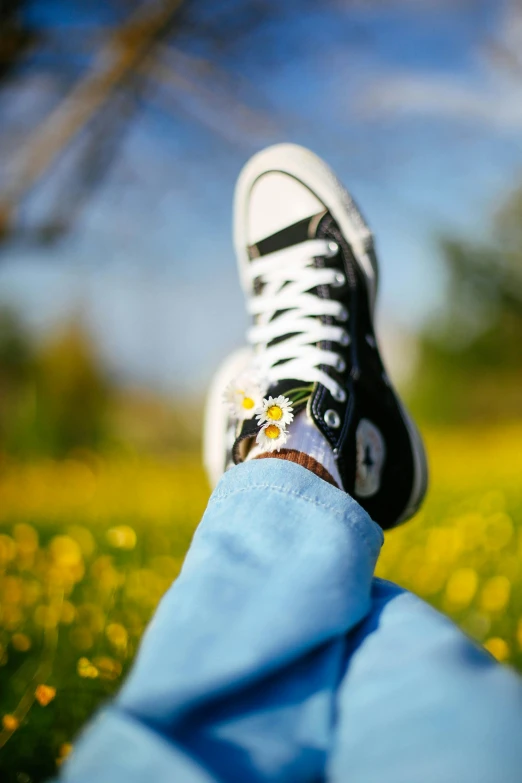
(409, 105)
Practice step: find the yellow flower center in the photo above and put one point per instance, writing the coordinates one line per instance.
(274, 413)
(248, 403)
(272, 431)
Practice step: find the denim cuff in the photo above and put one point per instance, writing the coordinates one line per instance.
(292, 480)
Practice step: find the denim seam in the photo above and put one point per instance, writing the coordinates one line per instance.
(355, 524)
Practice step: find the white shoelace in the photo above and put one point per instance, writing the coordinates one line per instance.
(287, 276)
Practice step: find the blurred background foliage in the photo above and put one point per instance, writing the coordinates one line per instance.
(45, 389)
(122, 128)
(471, 351)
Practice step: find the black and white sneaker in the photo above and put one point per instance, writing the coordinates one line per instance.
(309, 273)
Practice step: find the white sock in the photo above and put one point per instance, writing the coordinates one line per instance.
(304, 436)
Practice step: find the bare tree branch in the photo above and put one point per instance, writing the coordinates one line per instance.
(123, 51)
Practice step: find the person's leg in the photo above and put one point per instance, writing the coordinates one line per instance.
(308, 270)
(419, 701)
(237, 674)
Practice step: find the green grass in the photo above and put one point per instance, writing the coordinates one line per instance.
(89, 545)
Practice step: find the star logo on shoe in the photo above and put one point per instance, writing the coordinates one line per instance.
(371, 453)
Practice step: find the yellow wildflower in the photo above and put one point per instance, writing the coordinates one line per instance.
(116, 634)
(462, 586)
(86, 669)
(108, 668)
(10, 723)
(498, 648)
(44, 694)
(122, 537)
(495, 594)
(64, 750)
(21, 642)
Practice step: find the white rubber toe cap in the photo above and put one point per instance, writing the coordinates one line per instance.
(278, 200)
(284, 184)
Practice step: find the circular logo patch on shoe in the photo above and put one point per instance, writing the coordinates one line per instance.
(371, 453)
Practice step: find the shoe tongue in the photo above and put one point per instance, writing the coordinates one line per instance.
(283, 387)
(291, 235)
(305, 229)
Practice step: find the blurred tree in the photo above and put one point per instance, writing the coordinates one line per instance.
(472, 354)
(14, 34)
(54, 399)
(186, 47)
(16, 373)
(15, 351)
(71, 394)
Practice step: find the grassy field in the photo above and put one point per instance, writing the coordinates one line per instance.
(89, 545)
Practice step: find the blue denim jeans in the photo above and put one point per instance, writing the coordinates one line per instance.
(277, 656)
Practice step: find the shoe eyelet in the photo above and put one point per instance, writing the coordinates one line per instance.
(332, 419)
(340, 365)
(339, 395)
(344, 339)
(339, 281)
(333, 249)
(343, 315)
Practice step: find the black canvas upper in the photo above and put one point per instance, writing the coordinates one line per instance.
(369, 392)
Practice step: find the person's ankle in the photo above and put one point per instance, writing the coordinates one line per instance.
(305, 446)
(300, 458)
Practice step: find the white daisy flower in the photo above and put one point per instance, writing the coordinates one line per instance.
(276, 410)
(271, 437)
(243, 398)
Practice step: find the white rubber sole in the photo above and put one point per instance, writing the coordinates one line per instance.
(217, 429)
(421, 472)
(313, 173)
